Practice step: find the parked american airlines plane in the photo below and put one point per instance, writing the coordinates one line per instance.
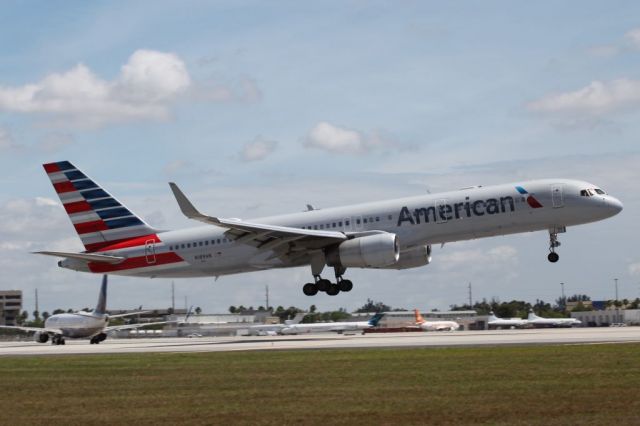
(92, 325)
(392, 234)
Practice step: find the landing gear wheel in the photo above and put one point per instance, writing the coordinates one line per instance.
(553, 257)
(345, 285)
(310, 289)
(323, 285)
(333, 290)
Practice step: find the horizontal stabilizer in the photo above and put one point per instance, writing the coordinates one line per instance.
(88, 257)
(129, 314)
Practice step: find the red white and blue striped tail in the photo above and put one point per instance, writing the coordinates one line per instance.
(99, 219)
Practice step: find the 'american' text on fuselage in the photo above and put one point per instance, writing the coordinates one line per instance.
(457, 210)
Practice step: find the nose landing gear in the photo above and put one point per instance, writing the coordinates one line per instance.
(553, 257)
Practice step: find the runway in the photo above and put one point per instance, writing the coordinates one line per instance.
(330, 341)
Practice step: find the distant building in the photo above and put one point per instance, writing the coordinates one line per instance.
(607, 317)
(10, 306)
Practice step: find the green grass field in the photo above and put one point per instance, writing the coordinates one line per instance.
(550, 385)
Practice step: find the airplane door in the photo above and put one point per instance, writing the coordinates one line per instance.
(441, 218)
(357, 223)
(348, 224)
(557, 196)
(150, 251)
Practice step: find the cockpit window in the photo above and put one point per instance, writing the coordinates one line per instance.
(591, 192)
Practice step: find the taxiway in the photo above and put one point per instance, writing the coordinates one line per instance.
(330, 341)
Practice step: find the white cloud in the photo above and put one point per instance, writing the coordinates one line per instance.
(597, 98)
(496, 258)
(146, 87)
(340, 140)
(633, 37)
(258, 149)
(634, 269)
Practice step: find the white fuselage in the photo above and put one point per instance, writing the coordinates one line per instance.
(439, 325)
(465, 214)
(328, 326)
(78, 325)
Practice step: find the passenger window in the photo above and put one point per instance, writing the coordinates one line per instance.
(347, 223)
(188, 245)
(218, 241)
(339, 223)
(365, 220)
(206, 243)
(358, 221)
(321, 226)
(182, 245)
(377, 219)
(334, 224)
(200, 243)
(315, 226)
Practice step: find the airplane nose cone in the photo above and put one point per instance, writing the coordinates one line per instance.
(614, 205)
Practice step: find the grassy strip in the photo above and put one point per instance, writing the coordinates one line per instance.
(551, 385)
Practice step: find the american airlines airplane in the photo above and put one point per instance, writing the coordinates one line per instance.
(392, 234)
(81, 325)
(435, 325)
(537, 321)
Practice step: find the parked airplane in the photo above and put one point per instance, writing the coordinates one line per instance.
(393, 234)
(435, 325)
(273, 329)
(338, 327)
(81, 325)
(537, 321)
(496, 322)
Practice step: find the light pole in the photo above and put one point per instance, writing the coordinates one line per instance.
(615, 280)
(564, 301)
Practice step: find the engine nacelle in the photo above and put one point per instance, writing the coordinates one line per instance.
(412, 258)
(371, 251)
(41, 337)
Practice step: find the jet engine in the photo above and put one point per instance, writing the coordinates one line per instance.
(41, 337)
(371, 251)
(412, 258)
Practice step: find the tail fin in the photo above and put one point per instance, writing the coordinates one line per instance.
(296, 319)
(419, 319)
(532, 315)
(492, 316)
(375, 319)
(99, 219)
(101, 307)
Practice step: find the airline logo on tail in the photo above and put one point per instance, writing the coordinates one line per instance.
(419, 319)
(99, 219)
(531, 200)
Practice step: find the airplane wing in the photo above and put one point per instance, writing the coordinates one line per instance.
(88, 257)
(132, 326)
(128, 314)
(33, 329)
(262, 236)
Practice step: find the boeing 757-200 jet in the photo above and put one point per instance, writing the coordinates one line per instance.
(392, 234)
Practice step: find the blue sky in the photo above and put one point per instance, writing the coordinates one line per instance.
(258, 108)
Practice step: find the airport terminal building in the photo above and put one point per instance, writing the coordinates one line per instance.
(10, 306)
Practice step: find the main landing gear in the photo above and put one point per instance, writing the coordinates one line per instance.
(57, 340)
(332, 289)
(553, 257)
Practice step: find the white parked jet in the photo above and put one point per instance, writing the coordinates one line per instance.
(393, 234)
(273, 329)
(337, 327)
(496, 322)
(81, 325)
(435, 325)
(537, 321)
